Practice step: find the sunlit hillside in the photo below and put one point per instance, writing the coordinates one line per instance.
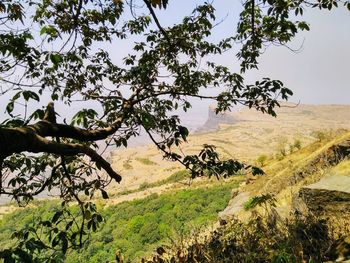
(183, 220)
(250, 135)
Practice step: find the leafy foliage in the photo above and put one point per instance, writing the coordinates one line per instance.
(69, 60)
(134, 228)
(259, 201)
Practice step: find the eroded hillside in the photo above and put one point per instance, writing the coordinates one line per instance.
(250, 136)
(297, 212)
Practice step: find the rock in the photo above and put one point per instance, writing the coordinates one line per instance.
(214, 120)
(234, 206)
(330, 195)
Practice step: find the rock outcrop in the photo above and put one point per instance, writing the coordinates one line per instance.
(214, 120)
(235, 205)
(331, 195)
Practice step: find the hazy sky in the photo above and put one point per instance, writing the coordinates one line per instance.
(318, 74)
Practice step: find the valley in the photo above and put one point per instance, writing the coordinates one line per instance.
(156, 205)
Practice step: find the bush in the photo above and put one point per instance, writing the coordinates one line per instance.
(145, 161)
(137, 227)
(127, 165)
(281, 149)
(321, 135)
(144, 186)
(297, 144)
(261, 160)
(265, 238)
(177, 176)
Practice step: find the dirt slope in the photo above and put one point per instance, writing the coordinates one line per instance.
(250, 135)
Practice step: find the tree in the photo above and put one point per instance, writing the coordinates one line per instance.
(56, 50)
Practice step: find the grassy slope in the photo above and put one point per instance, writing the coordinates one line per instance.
(263, 236)
(284, 177)
(128, 226)
(137, 227)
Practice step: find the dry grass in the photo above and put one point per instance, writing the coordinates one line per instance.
(264, 238)
(252, 135)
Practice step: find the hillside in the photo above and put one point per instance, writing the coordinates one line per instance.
(250, 135)
(299, 211)
(323, 165)
(304, 153)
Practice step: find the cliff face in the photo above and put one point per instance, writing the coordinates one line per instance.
(214, 120)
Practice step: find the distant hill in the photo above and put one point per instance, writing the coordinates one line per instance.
(245, 135)
(215, 120)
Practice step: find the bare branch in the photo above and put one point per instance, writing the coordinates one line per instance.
(150, 8)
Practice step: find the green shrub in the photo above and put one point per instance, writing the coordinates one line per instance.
(127, 165)
(297, 144)
(177, 176)
(145, 161)
(259, 201)
(137, 227)
(281, 148)
(320, 135)
(261, 160)
(144, 186)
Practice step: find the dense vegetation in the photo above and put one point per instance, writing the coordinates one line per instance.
(61, 51)
(134, 228)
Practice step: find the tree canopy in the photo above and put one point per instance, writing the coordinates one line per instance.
(58, 52)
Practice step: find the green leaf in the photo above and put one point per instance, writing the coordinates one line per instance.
(304, 26)
(99, 218)
(27, 94)
(124, 142)
(87, 214)
(184, 132)
(43, 30)
(147, 120)
(64, 243)
(56, 216)
(10, 107)
(56, 58)
(104, 194)
(56, 240)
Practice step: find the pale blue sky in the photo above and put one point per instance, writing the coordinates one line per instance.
(318, 74)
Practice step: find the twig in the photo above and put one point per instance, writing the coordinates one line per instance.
(150, 8)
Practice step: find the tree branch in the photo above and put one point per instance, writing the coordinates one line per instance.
(150, 8)
(46, 128)
(18, 140)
